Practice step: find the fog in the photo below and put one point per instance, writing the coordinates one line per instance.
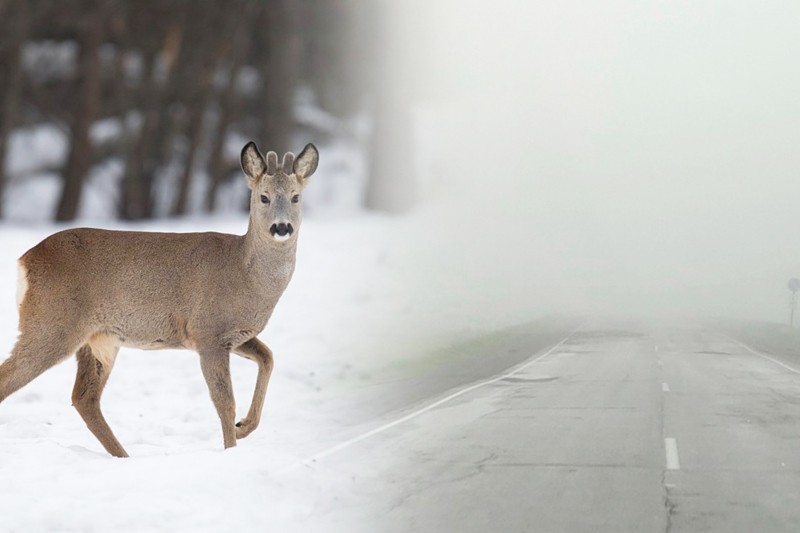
(482, 165)
(623, 157)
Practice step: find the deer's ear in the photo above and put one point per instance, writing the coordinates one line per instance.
(253, 163)
(306, 163)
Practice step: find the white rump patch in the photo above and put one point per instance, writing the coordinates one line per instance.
(22, 283)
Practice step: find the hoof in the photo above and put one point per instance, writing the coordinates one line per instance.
(243, 429)
(238, 424)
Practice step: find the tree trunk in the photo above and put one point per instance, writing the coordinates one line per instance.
(10, 77)
(126, 101)
(88, 96)
(143, 162)
(216, 161)
(280, 73)
(229, 101)
(194, 133)
(392, 181)
(199, 95)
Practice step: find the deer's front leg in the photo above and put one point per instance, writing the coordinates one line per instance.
(215, 363)
(257, 351)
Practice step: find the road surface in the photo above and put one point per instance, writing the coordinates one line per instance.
(621, 427)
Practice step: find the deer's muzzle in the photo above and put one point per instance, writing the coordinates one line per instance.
(281, 231)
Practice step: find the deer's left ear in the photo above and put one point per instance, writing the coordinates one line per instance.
(306, 163)
(252, 163)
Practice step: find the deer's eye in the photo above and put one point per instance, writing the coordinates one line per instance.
(295, 198)
(264, 199)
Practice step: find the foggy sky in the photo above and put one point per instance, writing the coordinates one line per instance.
(619, 155)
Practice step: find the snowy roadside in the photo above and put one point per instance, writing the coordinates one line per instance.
(57, 477)
(371, 299)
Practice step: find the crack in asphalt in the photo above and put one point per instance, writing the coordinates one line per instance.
(669, 505)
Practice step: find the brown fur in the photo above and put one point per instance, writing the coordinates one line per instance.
(91, 291)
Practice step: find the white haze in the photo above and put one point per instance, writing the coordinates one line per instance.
(620, 156)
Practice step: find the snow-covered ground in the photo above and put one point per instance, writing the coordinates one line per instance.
(371, 296)
(324, 333)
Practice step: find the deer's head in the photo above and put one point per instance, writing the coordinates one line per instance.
(276, 199)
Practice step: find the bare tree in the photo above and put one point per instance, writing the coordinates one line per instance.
(157, 86)
(335, 52)
(197, 85)
(163, 69)
(279, 72)
(392, 180)
(87, 107)
(229, 102)
(16, 13)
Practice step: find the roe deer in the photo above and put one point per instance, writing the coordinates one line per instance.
(90, 291)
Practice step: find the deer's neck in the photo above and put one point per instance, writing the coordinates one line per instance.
(268, 264)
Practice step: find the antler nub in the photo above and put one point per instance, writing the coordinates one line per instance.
(288, 163)
(272, 163)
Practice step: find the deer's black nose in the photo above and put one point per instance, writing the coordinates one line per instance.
(281, 230)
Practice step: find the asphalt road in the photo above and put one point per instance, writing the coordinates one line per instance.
(622, 427)
(457, 365)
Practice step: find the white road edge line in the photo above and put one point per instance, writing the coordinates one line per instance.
(418, 412)
(768, 358)
(671, 449)
(665, 387)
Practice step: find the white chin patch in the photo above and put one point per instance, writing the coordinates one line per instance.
(281, 238)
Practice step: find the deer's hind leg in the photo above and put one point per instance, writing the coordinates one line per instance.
(95, 362)
(36, 351)
(257, 351)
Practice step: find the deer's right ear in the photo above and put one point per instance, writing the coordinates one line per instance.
(253, 163)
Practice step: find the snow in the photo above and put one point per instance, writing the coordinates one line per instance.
(57, 477)
(49, 60)
(36, 147)
(35, 201)
(370, 296)
(106, 130)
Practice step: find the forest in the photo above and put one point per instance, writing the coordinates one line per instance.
(165, 92)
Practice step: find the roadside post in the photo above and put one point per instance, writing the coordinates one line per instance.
(794, 286)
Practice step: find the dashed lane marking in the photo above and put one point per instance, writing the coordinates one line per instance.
(671, 449)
